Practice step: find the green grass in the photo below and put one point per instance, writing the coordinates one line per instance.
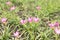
(50, 11)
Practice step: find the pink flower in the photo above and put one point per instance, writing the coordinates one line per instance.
(16, 34)
(57, 30)
(23, 21)
(38, 8)
(12, 8)
(51, 25)
(8, 3)
(56, 24)
(3, 20)
(35, 19)
(30, 19)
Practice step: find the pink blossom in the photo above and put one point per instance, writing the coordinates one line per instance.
(38, 7)
(12, 8)
(30, 19)
(57, 30)
(3, 20)
(8, 3)
(51, 25)
(16, 34)
(23, 21)
(56, 24)
(35, 19)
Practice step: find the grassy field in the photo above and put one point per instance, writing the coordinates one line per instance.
(29, 19)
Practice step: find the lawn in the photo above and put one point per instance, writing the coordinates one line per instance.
(29, 19)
